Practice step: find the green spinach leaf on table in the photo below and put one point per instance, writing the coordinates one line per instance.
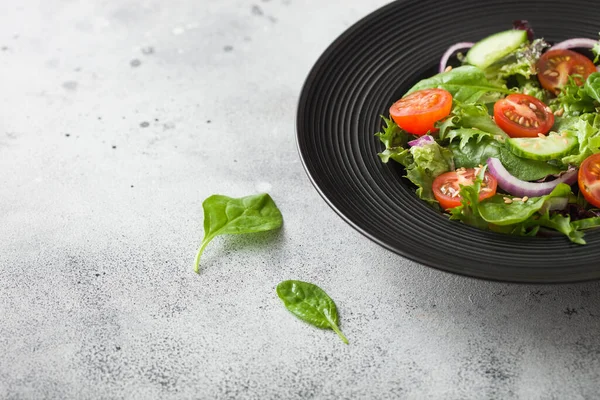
(311, 304)
(228, 216)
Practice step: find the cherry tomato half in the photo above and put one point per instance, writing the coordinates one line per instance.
(521, 115)
(446, 187)
(555, 66)
(588, 178)
(417, 112)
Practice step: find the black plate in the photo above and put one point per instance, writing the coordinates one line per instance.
(369, 67)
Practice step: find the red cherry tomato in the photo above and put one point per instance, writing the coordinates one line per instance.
(446, 187)
(521, 115)
(419, 111)
(555, 66)
(588, 178)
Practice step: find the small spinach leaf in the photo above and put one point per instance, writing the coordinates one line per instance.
(311, 304)
(228, 216)
(467, 84)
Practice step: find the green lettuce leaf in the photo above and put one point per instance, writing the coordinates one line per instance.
(587, 130)
(573, 99)
(422, 163)
(475, 152)
(521, 62)
(592, 86)
(474, 116)
(467, 84)
(517, 217)
(395, 140)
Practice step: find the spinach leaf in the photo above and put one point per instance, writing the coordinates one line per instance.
(228, 216)
(477, 151)
(495, 211)
(526, 169)
(592, 86)
(311, 304)
(474, 152)
(563, 225)
(467, 84)
(518, 217)
(586, 223)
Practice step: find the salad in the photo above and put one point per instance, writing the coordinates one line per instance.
(508, 140)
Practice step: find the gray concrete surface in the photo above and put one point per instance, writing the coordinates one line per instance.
(117, 119)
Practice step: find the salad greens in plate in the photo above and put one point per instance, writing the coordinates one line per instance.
(509, 140)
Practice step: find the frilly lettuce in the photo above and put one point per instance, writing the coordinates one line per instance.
(422, 163)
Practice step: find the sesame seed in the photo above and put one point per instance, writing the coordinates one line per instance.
(541, 135)
(448, 68)
(507, 200)
(524, 199)
(516, 199)
(548, 109)
(559, 112)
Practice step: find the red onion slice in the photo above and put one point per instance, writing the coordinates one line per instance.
(451, 50)
(576, 43)
(517, 187)
(425, 139)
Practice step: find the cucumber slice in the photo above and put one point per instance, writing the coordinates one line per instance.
(491, 49)
(551, 147)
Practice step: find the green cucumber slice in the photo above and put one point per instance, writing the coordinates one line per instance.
(551, 147)
(491, 49)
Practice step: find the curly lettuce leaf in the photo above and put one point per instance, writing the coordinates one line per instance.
(422, 163)
(596, 51)
(395, 140)
(587, 130)
(575, 100)
(532, 87)
(473, 116)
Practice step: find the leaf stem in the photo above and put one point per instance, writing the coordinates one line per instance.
(338, 331)
(199, 254)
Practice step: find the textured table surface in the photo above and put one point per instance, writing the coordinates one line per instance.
(117, 119)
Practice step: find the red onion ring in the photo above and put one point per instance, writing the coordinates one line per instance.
(581, 43)
(518, 187)
(451, 50)
(423, 140)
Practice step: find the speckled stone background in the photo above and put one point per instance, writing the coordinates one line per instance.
(117, 118)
